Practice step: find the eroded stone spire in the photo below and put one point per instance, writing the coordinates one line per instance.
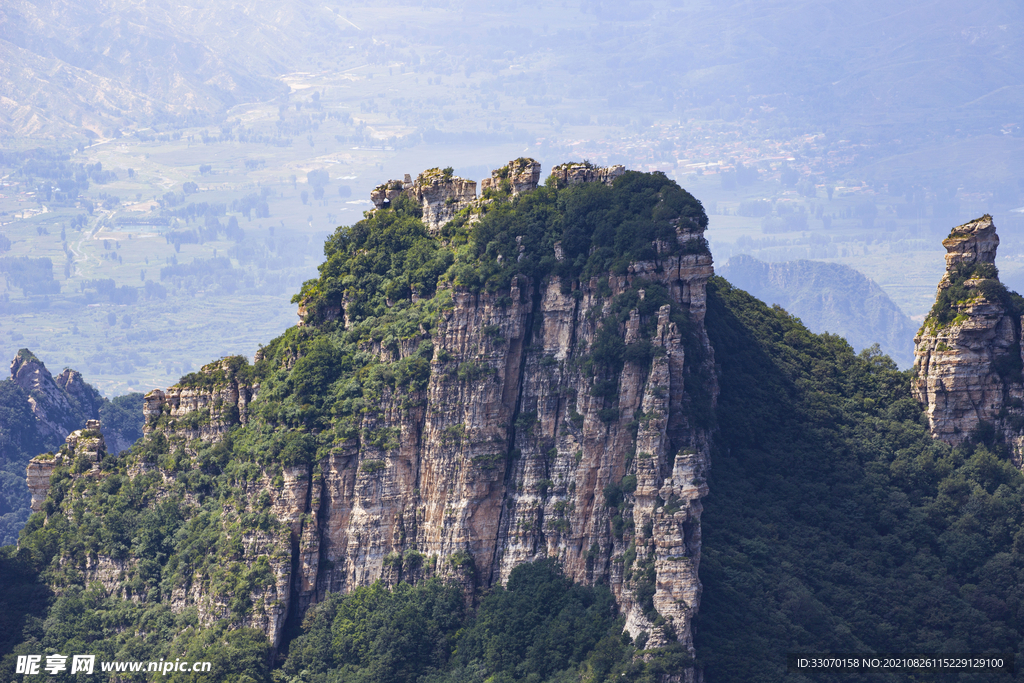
(967, 367)
(969, 245)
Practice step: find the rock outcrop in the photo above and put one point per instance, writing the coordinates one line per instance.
(518, 176)
(439, 192)
(37, 476)
(442, 195)
(968, 352)
(576, 173)
(83, 448)
(203, 405)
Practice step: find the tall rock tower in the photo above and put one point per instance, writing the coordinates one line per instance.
(968, 364)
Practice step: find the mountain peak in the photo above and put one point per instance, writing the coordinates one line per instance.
(25, 361)
(971, 243)
(60, 404)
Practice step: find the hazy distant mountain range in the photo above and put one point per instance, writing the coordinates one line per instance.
(877, 70)
(829, 297)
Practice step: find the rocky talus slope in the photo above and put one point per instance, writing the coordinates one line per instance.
(516, 445)
(968, 359)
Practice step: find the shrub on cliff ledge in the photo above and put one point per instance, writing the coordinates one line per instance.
(951, 298)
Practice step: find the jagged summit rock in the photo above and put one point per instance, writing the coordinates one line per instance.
(59, 403)
(968, 365)
(575, 173)
(970, 244)
(63, 403)
(442, 194)
(518, 176)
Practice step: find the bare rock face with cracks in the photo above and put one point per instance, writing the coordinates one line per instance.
(512, 449)
(968, 359)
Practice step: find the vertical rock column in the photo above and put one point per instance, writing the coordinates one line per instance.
(967, 367)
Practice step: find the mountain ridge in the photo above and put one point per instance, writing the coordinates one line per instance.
(829, 297)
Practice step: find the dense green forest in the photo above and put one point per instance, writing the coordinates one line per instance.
(538, 627)
(834, 523)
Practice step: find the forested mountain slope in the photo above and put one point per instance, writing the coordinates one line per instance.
(835, 522)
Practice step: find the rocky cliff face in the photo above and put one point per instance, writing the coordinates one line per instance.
(203, 406)
(83, 448)
(61, 403)
(968, 352)
(519, 446)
